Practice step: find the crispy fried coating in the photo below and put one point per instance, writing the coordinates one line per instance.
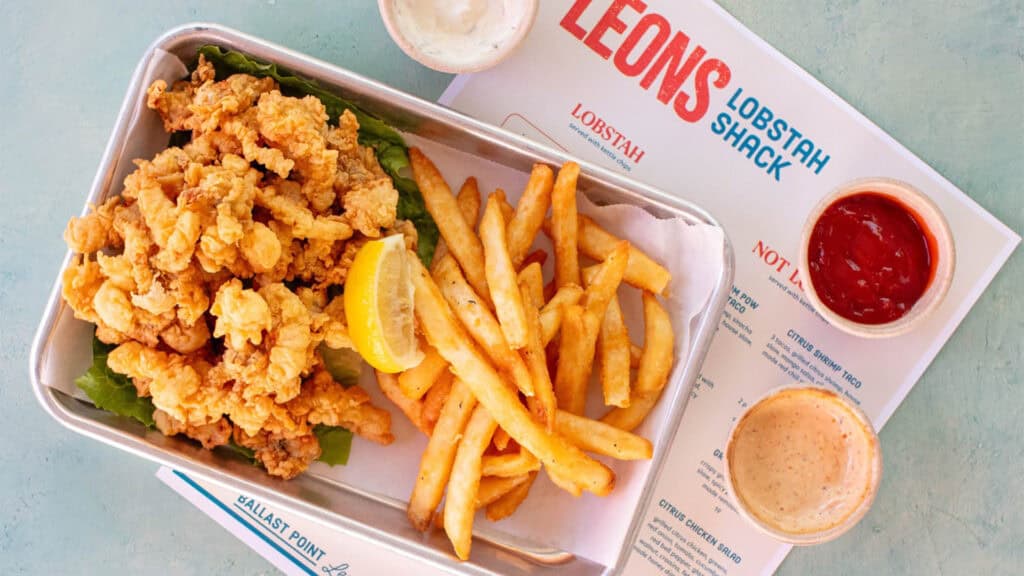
(95, 230)
(242, 315)
(209, 435)
(324, 401)
(298, 127)
(283, 454)
(205, 236)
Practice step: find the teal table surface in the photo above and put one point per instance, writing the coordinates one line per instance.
(945, 77)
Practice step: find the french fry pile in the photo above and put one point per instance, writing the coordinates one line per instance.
(503, 385)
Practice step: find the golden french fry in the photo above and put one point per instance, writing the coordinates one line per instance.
(655, 366)
(458, 235)
(435, 398)
(491, 489)
(532, 277)
(480, 322)
(464, 483)
(501, 439)
(659, 340)
(543, 403)
(468, 200)
(613, 355)
(436, 462)
(565, 482)
(504, 506)
(575, 358)
(529, 215)
(634, 355)
(507, 211)
(564, 225)
(605, 280)
(501, 277)
(515, 464)
(641, 270)
(415, 381)
(602, 438)
(552, 313)
(413, 409)
(445, 333)
(640, 405)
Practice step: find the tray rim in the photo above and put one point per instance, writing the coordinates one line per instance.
(50, 398)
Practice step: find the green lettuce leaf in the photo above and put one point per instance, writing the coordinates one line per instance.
(335, 444)
(385, 140)
(111, 391)
(247, 454)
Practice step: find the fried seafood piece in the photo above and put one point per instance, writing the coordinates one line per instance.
(121, 319)
(129, 224)
(298, 127)
(242, 315)
(186, 339)
(286, 203)
(264, 360)
(173, 105)
(328, 318)
(79, 284)
(214, 102)
(94, 231)
(357, 164)
(245, 130)
(324, 401)
(210, 435)
(407, 229)
(202, 104)
(175, 382)
(371, 206)
(231, 188)
(284, 454)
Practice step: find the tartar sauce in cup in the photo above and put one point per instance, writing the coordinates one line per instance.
(458, 35)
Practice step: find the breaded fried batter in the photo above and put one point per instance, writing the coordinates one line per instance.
(206, 236)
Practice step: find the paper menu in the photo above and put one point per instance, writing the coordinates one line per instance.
(680, 95)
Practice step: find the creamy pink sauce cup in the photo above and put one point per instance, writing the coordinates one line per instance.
(803, 465)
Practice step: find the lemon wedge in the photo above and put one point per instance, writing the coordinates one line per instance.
(379, 305)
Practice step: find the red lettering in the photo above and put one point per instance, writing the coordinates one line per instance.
(646, 23)
(610, 20)
(770, 256)
(589, 122)
(676, 70)
(576, 110)
(701, 90)
(571, 19)
(794, 279)
(661, 53)
(598, 126)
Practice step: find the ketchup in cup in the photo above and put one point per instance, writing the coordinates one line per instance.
(877, 256)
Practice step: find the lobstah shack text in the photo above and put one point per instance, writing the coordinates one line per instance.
(684, 75)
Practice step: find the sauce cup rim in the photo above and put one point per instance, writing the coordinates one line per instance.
(387, 13)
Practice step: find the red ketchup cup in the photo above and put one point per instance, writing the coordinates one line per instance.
(876, 257)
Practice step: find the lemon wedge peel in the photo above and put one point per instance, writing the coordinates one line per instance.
(379, 306)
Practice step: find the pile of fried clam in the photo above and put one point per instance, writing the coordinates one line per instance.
(213, 272)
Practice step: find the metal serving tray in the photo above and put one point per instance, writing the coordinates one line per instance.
(362, 515)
